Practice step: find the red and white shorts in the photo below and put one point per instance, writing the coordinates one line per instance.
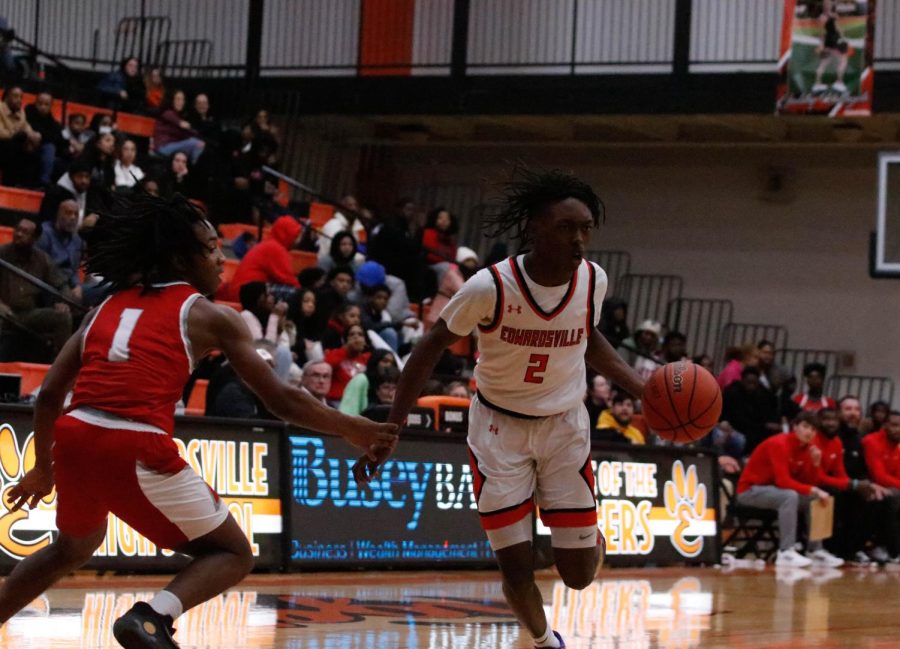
(517, 463)
(103, 463)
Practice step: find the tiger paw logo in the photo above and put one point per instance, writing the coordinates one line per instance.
(21, 532)
(685, 500)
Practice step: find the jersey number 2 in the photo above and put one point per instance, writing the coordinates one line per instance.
(537, 365)
(118, 350)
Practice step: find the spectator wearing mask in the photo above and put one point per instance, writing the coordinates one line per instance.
(72, 185)
(640, 350)
(40, 118)
(347, 361)
(344, 251)
(812, 398)
(598, 395)
(359, 392)
(882, 453)
(27, 303)
(173, 133)
(737, 358)
(439, 240)
(316, 380)
(127, 173)
(614, 424)
(123, 89)
(60, 241)
(777, 477)
(750, 408)
(268, 261)
(19, 143)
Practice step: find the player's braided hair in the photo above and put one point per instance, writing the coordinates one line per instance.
(527, 193)
(140, 238)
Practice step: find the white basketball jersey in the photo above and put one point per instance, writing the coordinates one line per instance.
(532, 361)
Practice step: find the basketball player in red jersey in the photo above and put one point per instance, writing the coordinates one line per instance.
(112, 449)
(529, 436)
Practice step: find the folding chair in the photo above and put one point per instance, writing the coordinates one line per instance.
(748, 529)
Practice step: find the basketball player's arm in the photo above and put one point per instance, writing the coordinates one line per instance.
(215, 327)
(425, 355)
(604, 359)
(38, 482)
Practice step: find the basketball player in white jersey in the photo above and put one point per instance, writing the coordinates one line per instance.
(529, 440)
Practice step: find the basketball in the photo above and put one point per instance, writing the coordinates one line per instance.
(682, 402)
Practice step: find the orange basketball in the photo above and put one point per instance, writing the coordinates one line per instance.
(682, 402)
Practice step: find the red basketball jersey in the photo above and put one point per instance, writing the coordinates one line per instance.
(135, 355)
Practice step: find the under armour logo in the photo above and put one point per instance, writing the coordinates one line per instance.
(493, 429)
(510, 307)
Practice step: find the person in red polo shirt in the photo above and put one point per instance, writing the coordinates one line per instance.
(882, 452)
(780, 475)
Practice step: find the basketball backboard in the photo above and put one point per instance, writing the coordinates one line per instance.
(885, 250)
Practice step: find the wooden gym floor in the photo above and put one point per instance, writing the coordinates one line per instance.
(633, 609)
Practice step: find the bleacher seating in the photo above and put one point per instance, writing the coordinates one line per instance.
(20, 200)
(6, 234)
(196, 404)
(32, 374)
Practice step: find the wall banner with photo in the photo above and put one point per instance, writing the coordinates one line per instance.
(826, 58)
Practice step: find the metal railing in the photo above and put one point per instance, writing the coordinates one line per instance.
(796, 359)
(648, 296)
(866, 388)
(616, 263)
(700, 320)
(740, 333)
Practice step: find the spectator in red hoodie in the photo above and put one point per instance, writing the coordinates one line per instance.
(779, 475)
(347, 361)
(882, 451)
(268, 261)
(439, 240)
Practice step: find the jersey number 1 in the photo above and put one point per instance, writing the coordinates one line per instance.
(118, 351)
(537, 365)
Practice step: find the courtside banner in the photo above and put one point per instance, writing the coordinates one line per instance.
(239, 459)
(826, 58)
(656, 506)
(420, 510)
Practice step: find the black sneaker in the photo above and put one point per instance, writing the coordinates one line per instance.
(143, 628)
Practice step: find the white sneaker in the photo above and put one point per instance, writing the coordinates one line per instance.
(880, 555)
(791, 559)
(819, 87)
(861, 559)
(838, 86)
(825, 558)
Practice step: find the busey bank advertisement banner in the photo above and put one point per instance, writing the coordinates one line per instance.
(419, 510)
(240, 460)
(656, 506)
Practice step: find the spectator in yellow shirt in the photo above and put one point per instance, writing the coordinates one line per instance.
(614, 424)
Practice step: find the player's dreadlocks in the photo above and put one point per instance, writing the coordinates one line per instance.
(140, 238)
(526, 195)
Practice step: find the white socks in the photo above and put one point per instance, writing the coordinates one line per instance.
(547, 640)
(165, 603)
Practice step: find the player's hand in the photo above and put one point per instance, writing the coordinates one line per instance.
(371, 437)
(821, 494)
(815, 453)
(33, 486)
(366, 469)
